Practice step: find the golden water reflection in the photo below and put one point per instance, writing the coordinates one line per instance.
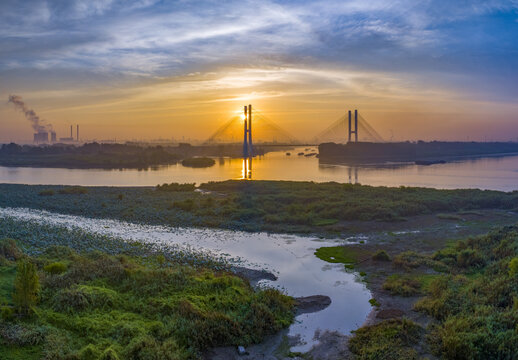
(246, 172)
(484, 173)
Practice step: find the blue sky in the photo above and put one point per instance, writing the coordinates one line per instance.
(185, 59)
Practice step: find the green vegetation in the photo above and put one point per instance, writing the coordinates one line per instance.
(340, 254)
(26, 287)
(381, 255)
(55, 268)
(374, 302)
(277, 206)
(198, 162)
(402, 285)
(46, 193)
(513, 267)
(105, 306)
(388, 340)
(73, 190)
(475, 304)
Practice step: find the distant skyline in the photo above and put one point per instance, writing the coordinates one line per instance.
(434, 69)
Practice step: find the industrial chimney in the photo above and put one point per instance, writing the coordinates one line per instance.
(77, 133)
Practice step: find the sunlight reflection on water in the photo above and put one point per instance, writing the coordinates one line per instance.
(496, 173)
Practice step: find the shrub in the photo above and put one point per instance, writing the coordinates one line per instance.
(176, 187)
(470, 258)
(22, 334)
(46, 193)
(402, 285)
(26, 286)
(381, 255)
(9, 249)
(89, 352)
(389, 340)
(109, 354)
(513, 267)
(73, 190)
(185, 205)
(55, 268)
(6, 312)
(84, 297)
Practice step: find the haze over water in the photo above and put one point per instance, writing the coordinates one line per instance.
(493, 173)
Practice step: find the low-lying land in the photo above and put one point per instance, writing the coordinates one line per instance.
(439, 287)
(421, 152)
(276, 206)
(107, 299)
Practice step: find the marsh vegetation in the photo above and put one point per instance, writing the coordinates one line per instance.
(276, 206)
(58, 303)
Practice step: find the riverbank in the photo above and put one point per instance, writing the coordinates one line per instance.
(117, 156)
(420, 152)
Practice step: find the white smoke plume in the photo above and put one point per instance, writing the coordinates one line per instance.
(36, 123)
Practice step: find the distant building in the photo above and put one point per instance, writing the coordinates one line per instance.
(41, 137)
(66, 139)
(53, 136)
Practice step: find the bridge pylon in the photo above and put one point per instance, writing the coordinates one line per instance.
(355, 131)
(248, 149)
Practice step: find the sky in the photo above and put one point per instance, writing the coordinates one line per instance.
(432, 69)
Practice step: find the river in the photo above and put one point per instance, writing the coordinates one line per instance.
(494, 173)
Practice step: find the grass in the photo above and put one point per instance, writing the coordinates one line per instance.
(340, 254)
(409, 284)
(473, 301)
(374, 302)
(136, 308)
(388, 340)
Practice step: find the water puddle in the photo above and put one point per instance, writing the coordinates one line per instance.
(290, 257)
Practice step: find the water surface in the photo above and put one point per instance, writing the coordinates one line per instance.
(495, 173)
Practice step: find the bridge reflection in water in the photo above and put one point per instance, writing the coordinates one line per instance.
(246, 171)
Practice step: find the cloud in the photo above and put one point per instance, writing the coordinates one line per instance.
(465, 45)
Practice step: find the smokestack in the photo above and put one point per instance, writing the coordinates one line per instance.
(77, 133)
(71, 136)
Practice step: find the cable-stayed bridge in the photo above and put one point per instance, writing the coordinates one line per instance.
(349, 127)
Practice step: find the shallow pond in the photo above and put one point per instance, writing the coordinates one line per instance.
(290, 257)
